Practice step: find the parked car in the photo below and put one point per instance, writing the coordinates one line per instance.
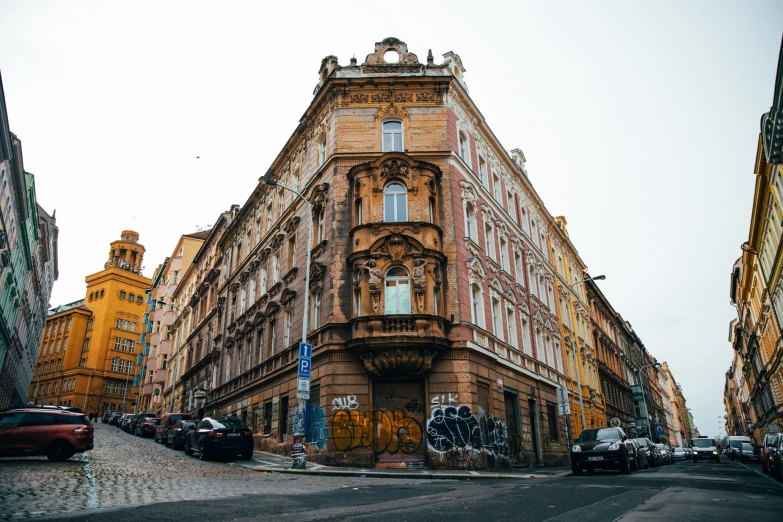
(680, 454)
(58, 434)
(749, 453)
(735, 445)
(653, 455)
(176, 435)
(666, 453)
(138, 419)
(146, 428)
(641, 455)
(769, 440)
(114, 418)
(167, 420)
(705, 449)
(603, 448)
(106, 416)
(215, 436)
(775, 457)
(123, 422)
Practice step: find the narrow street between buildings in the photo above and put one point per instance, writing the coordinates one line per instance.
(135, 479)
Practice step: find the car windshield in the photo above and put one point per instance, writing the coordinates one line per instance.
(703, 443)
(228, 423)
(736, 444)
(770, 439)
(747, 446)
(604, 434)
(643, 442)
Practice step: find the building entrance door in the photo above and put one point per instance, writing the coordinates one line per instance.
(532, 409)
(512, 422)
(398, 418)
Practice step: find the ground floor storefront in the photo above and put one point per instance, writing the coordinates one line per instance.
(461, 410)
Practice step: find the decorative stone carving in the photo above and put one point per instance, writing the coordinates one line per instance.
(290, 226)
(524, 308)
(376, 282)
(494, 283)
(476, 272)
(509, 295)
(468, 192)
(398, 361)
(391, 110)
(320, 193)
(391, 44)
(359, 98)
(396, 247)
(357, 276)
(287, 296)
(419, 283)
(437, 277)
(426, 97)
(317, 273)
(394, 168)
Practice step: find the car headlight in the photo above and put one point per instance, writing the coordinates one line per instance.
(613, 447)
(714, 452)
(576, 448)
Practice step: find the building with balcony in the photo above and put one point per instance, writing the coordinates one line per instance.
(28, 267)
(90, 347)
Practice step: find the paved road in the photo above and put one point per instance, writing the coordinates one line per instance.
(133, 479)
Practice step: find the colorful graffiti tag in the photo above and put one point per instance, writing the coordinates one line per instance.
(390, 431)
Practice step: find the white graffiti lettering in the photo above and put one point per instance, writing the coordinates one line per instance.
(345, 403)
(440, 401)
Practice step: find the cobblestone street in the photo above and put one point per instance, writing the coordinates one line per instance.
(125, 471)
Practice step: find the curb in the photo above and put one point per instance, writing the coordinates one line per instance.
(382, 474)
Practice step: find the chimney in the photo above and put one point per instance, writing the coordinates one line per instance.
(561, 223)
(519, 159)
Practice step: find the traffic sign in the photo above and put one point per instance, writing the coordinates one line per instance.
(304, 367)
(773, 428)
(658, 429)
(305, 350)
(562, 400)
(303, 385)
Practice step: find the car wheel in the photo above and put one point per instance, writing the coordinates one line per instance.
(590, 471)
(59, 451)
(635, 466)
(202, 453)
(576, 470)
(166, 443)
(248, 455)
(187, 448)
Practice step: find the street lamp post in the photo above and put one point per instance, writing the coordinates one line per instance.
(649, 424)
(87, 394)
(573, 346)
(299, 459)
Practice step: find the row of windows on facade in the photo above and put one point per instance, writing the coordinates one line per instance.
(121, 365)
(49, 366)
(59, 326)
(125, 345)
(115, 388)
(50, 388)
(128, 326)
(55, 346)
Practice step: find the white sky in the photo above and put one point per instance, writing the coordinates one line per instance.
(639, 121)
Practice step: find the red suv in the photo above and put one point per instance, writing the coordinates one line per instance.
(58, 434)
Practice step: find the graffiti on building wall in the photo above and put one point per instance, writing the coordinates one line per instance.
(441, 401)
(458, 435)
(345, 403)
(389, 431)
(316, 427)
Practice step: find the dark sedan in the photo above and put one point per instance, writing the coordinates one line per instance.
(603, 448)
(138, 419)
(215, 436)
(775, 458)
(147, 427)
(176, 435)
(650, 450)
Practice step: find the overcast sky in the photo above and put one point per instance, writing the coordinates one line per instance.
(639, 121)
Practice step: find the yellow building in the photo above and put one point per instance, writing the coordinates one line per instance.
(575, 314)
(90, 347)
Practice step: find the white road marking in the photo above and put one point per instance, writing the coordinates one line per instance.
(763, 475)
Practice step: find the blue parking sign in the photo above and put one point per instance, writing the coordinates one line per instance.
(304, 367)
(305, 350)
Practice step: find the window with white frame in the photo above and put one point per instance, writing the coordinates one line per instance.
(464, 148)
(317, 310)
(489, 239)
(397, 294)
(395, 203)
(512, 327)
(276, 267)
(496, 189)
(319, 227)
(510, 206)
(289, 319)
(497, 319)
(322, 150)
(520, 276)
(504, 263)
(477, 305)
(392, 136)
(357, 302)
(262, 279)
(482, 171)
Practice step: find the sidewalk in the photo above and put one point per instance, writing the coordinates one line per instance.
(272, 463)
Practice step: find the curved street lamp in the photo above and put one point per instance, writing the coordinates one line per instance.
(573, 346)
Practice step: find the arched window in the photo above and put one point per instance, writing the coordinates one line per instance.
(477, 305)
(395, 203)
(398, 294)
(392, 136)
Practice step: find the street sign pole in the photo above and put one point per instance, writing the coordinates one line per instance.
(302, 395)
(565, 409)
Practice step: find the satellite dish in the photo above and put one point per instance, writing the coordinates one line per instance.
(615, 422)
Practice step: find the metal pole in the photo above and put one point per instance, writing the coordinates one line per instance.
(125, 392)
(87, 394)
(299, 460)
(576, 359)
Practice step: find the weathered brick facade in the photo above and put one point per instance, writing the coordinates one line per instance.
(435, 344)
